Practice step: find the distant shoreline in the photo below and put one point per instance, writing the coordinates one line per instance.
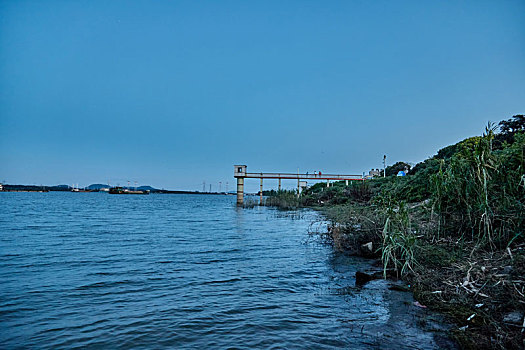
(65, 188)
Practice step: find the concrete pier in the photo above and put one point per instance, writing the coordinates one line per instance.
(240, 174)
(240, 191)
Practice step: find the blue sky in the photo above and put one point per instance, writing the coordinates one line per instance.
(173, 93)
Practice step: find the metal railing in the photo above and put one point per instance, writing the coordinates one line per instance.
(302, 176)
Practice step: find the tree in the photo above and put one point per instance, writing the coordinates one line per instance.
(513, 125)
(508, 128)
(392, 170)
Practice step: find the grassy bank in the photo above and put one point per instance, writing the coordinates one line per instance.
(453, 228)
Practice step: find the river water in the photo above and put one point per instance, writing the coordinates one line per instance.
(187, 271)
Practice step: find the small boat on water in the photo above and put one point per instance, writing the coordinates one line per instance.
(76, 188)
(122, 190)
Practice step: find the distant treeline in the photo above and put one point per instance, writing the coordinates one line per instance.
(34, 188)
(92, 188)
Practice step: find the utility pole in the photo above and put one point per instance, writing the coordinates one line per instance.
(204, 186)
(384, 165)
(210, 188)
(220, 186)
(298, 183)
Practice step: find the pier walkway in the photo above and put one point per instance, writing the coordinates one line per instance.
(240, 173)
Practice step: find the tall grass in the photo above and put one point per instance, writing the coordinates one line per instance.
(399, 244)
(284, 199)
(477, 192)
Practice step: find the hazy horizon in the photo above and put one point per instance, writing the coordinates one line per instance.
(171, 94)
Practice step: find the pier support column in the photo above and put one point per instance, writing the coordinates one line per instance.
(261, 198)
(240, 191)
(327, 183)
(346, 182)
(279, 184)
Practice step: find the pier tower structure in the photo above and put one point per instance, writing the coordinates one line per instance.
(241, 173)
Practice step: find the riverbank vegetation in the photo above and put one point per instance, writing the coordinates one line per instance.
(453, 228)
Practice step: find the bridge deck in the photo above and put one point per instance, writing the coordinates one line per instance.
(302, 176)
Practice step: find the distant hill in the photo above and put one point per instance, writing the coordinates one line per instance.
(97, 186)
(92, 187)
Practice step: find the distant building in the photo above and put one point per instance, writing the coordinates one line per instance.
(374, 172)
(1, 187)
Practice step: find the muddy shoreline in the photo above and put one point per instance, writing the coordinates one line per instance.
(479, 292)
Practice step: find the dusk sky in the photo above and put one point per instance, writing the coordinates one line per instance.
(174, 93)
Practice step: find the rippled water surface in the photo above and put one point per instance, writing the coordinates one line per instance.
(185, 271)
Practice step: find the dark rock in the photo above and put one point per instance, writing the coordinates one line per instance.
(399, 288)
(362, 278)
(367, 249)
